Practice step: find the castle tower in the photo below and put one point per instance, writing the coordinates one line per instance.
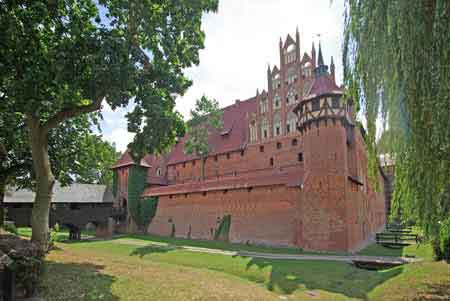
(324, 126)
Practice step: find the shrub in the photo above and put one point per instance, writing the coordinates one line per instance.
(28, 262)
(172, 233)
(223, 231)
(10, 227)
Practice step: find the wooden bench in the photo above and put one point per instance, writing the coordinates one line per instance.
(396, 239)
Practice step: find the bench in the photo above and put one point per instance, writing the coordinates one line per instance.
(396, 239)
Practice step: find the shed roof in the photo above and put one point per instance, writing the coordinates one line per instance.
(75, 193)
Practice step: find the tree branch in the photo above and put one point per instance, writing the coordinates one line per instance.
(72, 112)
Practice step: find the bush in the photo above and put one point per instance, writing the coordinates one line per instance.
(223, 231)
(28, 262)
(10, 227)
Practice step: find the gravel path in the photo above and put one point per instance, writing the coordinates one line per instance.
(342, 258)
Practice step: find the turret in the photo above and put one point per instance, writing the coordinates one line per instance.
(313, 55)
(297, 45)
(332, 70)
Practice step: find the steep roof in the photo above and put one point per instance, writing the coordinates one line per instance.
(75, 193)
(126, 160)
(322, 85)
(233, 135)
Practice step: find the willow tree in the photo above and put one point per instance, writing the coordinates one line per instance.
(397, 63)
(63, 59)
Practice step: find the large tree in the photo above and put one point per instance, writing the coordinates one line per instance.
(63, 59)
(397, 62)
(206, 116)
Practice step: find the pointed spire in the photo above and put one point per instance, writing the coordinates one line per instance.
(320, 59)
(313, 55)
(257, 91)
(332, 70)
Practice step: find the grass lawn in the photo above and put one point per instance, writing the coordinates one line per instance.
(119, 270)
(61, 235)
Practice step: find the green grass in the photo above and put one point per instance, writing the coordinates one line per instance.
(116, 269)
(61, 235)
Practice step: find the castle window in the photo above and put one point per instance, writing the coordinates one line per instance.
(279, 145)
(159, 172)
(316, 105)
(249, 189)
(276, 102)
(291, 122)
(300, 157)
(335, 102)
(271, 161)
(225, 191)
(276, 125)
(253, 132)
(228, 155)
(170, 196)
(263, 106)
(184, 164)
(265, 128)
(290, 96)
(185, 195)
(261, 148)
(294, 142)
(215, 158)
(193, 162)
(204, 193)
(242, 153)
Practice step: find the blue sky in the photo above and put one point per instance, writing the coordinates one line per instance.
(241, 39)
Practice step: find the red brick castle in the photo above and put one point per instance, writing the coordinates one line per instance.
(288, 167)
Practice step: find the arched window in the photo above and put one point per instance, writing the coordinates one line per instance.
(263, 106)
(276, 102)
(290, 99)
(253, 132)
(291, 123)
(276, 125)
(159, 172)
(265, 129)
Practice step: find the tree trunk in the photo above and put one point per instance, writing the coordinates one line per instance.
(44, 185)
(2, 197)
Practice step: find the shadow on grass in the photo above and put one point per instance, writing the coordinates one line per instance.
(76, 281)
(146, 250)
(288, 276)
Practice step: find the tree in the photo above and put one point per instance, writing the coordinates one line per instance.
(94, 160)
(396, 61)
(205, 117)
(62, 59)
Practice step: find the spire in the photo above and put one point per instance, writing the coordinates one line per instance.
(320, 59)
(313, 55)
(257, 91)
(332, 69)
(297, 45)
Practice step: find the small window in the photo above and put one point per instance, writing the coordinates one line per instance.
(204, 193)
(184, 164)
(159, 172)
(228, 155)
(170, 196)
(225, 191)
(265, 134)
(288, 128)
(215, 158)
(300, 157)
(294, 142)
(279, 145)
(261, 148)
(249, 189)
(185, 195)
(316, 105)
(271, 161)
(277, 130)
(242, 153)
(193, 162)
(335, 102)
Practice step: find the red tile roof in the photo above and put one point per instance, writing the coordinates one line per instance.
(274, 177)
(322, 85)
(126, 160)
(233, 135)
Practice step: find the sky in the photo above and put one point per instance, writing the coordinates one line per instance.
(241, 40)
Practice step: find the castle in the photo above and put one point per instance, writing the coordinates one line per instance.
(288, 167)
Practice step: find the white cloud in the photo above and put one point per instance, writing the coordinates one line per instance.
(241, 39)
(121, 137)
